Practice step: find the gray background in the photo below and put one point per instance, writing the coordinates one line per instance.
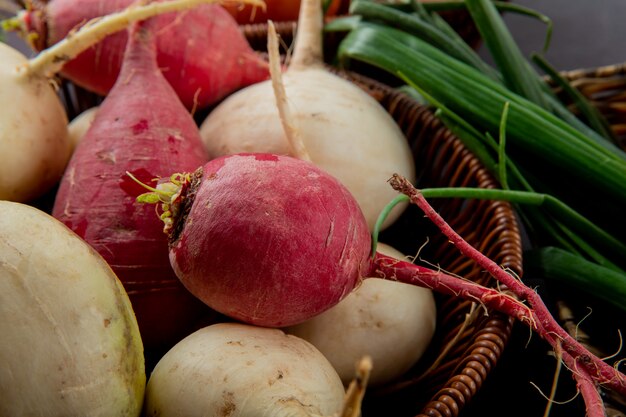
(586, 33)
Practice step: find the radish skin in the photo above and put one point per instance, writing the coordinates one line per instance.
(34, 140)
(199, 77)
(336, 270)
(96, 199)
(391, 322)
(243, 370)
(338, 126)
(70, 343)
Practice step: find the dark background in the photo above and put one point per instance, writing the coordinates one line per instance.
(586, 33)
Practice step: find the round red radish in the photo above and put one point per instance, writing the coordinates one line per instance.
(312, 254)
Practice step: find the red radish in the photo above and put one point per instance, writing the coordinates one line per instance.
(275, 10)
(318, 116)
(34, 139)
(202, 52)
(271, 240)
(140, 127)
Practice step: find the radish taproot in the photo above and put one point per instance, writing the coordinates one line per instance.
(141, 127)
(202, 52)
(243, 370)
(274, 240)
(330, 120)
(391, 322)
(34, 138)
(70, 343)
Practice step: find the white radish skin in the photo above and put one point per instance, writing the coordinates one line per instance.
(34, 141)
(70, 344)
(389, 321)
(242, 370)
(80, 125)
(341, 128)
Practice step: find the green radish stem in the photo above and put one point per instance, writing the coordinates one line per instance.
(166, 193)
(565, 213)
(286, 118)
(51, 60)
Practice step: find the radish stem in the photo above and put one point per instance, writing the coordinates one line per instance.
(50, 61)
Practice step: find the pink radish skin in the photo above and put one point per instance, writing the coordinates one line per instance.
(202, 52)
(143, 128)
(259, 230)
(245, 257)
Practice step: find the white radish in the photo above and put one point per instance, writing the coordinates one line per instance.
(319, 116)
(34, 139)
(70, 343)
(80, 125)
(389, 321)
(242, 370)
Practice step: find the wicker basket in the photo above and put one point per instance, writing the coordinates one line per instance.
(605, 88)
(463, 351)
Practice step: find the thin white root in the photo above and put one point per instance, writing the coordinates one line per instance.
(298, 149)
(356, 389)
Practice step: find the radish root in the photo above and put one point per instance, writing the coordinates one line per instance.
(588, 370)
(287, 120)
(356, 389)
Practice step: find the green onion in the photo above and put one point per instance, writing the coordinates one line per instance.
(562, 266)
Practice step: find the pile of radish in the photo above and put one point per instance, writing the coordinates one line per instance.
(202, 52)
(259, 217)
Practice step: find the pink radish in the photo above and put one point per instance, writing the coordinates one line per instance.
(274, 240)
(317, 116)
(202, 52)
(141, 127)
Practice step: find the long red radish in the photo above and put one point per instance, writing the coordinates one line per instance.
(141, 127)
(202, 52)
(271, 239)
(34, 139)
(318, 116)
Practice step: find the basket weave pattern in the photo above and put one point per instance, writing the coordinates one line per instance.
(605, 88)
